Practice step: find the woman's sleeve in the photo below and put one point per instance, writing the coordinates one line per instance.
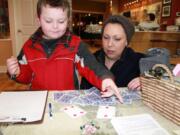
(89, 68)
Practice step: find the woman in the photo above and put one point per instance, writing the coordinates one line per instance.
(115, 55)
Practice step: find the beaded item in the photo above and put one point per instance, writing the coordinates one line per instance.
(89, 128)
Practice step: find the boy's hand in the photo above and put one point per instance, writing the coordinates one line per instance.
(13, 66)
(109, 88)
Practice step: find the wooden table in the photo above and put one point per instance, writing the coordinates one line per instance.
(62, 124)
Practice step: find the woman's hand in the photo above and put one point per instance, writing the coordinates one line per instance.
(109, 88)
(134, 84)
(13, 66)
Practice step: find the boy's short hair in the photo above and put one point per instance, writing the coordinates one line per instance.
(53, 3)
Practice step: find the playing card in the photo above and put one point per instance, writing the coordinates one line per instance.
(73, 111)
(67, 98)
(93, 96)
(127, 99)
(87, 97)
(106, 112)
(57, 96)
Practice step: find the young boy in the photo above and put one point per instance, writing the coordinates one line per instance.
(50, 58)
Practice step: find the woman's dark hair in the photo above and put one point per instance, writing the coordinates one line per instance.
(53, 3)
(124, 22)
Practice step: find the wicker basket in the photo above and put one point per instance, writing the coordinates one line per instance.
(162, 95)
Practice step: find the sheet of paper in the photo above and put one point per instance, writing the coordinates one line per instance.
(143, 124)
(22, 106)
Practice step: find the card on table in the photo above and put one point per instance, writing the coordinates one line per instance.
(74, 111)
(127, 99)
(106, 112)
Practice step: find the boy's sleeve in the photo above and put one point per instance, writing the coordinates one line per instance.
(89, 68)
(25, 75)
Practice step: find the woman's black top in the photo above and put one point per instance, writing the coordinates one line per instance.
(124, 70)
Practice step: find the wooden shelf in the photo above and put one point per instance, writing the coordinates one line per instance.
(168, 41)
(175, 60)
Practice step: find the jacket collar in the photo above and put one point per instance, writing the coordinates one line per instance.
(65, 39)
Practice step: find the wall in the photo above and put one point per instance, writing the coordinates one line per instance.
(138, 10)
(102, 7)
(175, 7)
(163, 20)
(135, 5)
(111, 8)
(115, 7)
(88, 6)
(139, 14)
(6, 52)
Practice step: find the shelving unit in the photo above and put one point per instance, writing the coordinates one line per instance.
(144, 40)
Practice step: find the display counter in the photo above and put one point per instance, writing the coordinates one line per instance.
(143, 40)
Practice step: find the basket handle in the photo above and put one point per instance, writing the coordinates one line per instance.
(166, 69)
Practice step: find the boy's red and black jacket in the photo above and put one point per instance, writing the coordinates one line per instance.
(60, 69)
